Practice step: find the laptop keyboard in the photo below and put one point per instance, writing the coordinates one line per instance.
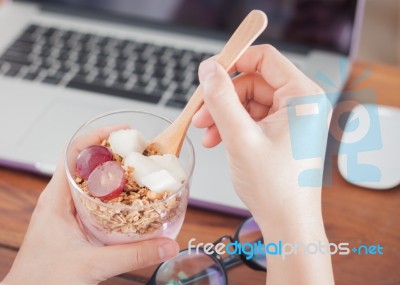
(125, 68)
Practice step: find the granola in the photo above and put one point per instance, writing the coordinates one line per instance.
(132, 217)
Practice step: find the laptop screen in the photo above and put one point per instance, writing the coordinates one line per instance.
(316, 24)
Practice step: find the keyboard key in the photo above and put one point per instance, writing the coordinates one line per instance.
(13, 69)
(82, 58)
(135, 93)
(103, 41)
(121, 65)
(141, 82)
(82, 73)
(176, 54)
(121, 57)
(65, 67)
(161, 62)
(121, 79)
(139, 69)
(16, 57)
(22, 47)
(46, 64)
(195, 81)
(83, 53)
(179, 76)
(31, 29)
(72, 43)
(182, 90)
(11, 73)
(104, 52)
(27, 38)
(143, 58)
(31, 75)
(54, 77)
(123, 44)
(45, 52)
(196, 58)
(49, 32)
(66, 35)
(178, 69)
(101, 62)
(161, 84)
(158, 73)
(177, 103)
(102, 76)
(60, 74)
(52, 80)
(125, 77)
(206, 55)
(139, 47)
(63, 56)
(159, 51)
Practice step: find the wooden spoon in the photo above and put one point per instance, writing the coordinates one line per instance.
(171, 139)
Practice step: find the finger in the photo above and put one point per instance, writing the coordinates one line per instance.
(57, 195)
(253, 87)
(223, 103)
(202, 118)
(276, 69)
(211, 137)
(254, 93)
(118, 259)
(93, 137)
(256, 110)
(58, 180)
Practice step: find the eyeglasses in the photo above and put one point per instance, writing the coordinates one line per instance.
(203, 265)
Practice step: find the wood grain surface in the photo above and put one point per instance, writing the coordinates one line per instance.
(352, 214)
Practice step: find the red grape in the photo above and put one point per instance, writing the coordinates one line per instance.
(89, 158)
(107, 180)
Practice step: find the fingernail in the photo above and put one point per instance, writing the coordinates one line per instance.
(167, 250)
(207, 69)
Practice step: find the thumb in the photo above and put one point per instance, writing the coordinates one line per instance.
(222, 101)
(117, 259)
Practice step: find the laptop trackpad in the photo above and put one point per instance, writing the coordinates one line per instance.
(50, 133)
(18, 111)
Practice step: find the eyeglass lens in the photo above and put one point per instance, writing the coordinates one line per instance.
(194, 269)
(250, 234)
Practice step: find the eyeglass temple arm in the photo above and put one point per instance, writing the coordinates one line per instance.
(231, 261)
(228, 262)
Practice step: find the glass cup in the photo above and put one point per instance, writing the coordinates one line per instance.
(110, 223)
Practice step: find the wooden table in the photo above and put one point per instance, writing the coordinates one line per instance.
(352, 214)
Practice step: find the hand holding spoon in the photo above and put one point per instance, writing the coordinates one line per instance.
(171, 139)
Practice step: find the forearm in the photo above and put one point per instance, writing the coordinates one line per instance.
(299, 265)
(304, 254)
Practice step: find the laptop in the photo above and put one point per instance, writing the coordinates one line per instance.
(63, 62)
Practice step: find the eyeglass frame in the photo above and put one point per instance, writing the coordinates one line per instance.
(225, 263)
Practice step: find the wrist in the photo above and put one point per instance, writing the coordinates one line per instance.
(298, 209)
(293, 224)
(291, 233)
